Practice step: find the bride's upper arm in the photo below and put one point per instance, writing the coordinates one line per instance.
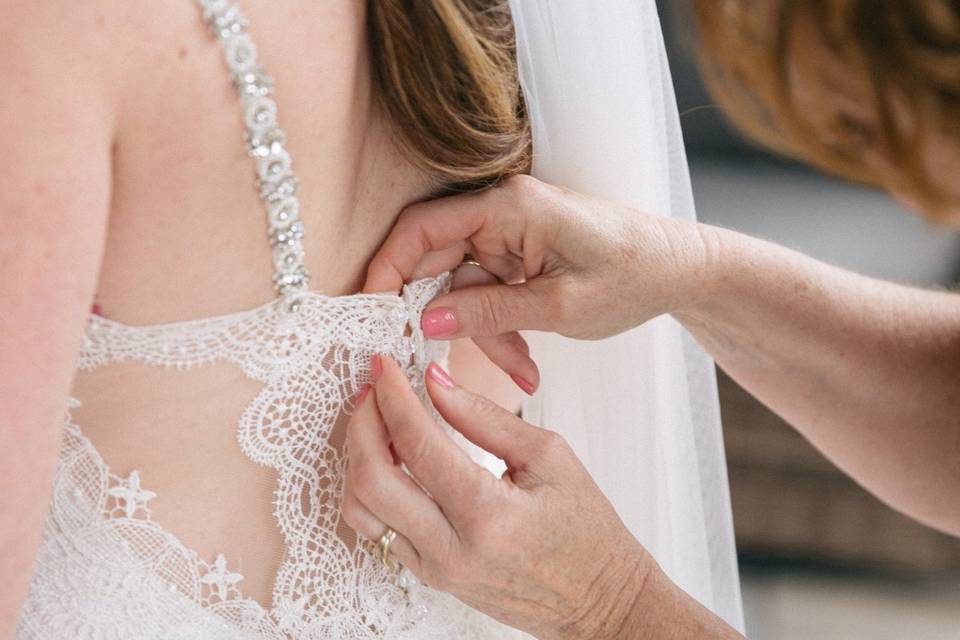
(56, 120)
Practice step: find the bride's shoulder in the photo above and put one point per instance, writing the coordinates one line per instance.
(56, 43)
(61, 27)
(98, 44)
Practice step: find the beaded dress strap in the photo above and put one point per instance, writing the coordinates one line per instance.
(275, 181)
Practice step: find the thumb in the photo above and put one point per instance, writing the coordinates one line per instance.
(485, 423)
(491, 310)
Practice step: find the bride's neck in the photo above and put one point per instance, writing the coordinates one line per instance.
(351, 163)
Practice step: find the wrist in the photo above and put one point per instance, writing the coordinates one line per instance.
(711, 272)
(661, 609)
(612, 601)
(640, 612)
(679, 267)
(636, 604)
(714, 279)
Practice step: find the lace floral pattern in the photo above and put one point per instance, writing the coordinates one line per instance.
(107, 570)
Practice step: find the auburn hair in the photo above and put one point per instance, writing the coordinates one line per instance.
(905, 50)
(445, 71)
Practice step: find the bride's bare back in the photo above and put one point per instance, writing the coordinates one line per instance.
(186, 239)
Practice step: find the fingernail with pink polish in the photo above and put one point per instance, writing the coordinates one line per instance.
(439, 323)
(440, 376)
(376, 367)
(523, 384)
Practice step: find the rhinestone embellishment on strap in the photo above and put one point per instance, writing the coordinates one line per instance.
(265, 144)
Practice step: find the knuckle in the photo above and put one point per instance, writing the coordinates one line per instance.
(523, 186)
(512, 307)
(410, 216)
(482, 408)
(409, 225)
(416, 449)
(489, 313)
(533, 195)
(552, 443)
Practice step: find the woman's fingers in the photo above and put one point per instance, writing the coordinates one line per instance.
(486, 424)
(436, 461)
(546, 508)
(509, 351)
(374, 481)
(510, 231)
(436, 262)
(494, 309)
(365, 523)
(425, 227)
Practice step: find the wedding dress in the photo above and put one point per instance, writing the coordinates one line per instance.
(107, 569)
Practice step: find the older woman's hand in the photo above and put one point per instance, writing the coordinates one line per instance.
(540, 548)
(575, 265)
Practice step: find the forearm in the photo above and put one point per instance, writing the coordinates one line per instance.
(868, 371)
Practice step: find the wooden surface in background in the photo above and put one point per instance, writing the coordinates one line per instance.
(790, 503)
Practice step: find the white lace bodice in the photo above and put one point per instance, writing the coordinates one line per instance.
(107, 569)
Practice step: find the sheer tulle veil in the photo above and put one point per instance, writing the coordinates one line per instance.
(639, 408)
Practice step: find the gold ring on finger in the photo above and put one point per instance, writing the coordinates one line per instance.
(469, 259)
(383, 549)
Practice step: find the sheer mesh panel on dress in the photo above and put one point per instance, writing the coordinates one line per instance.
(178, 462)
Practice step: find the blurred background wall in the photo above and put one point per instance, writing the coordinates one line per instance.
(820, 558)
